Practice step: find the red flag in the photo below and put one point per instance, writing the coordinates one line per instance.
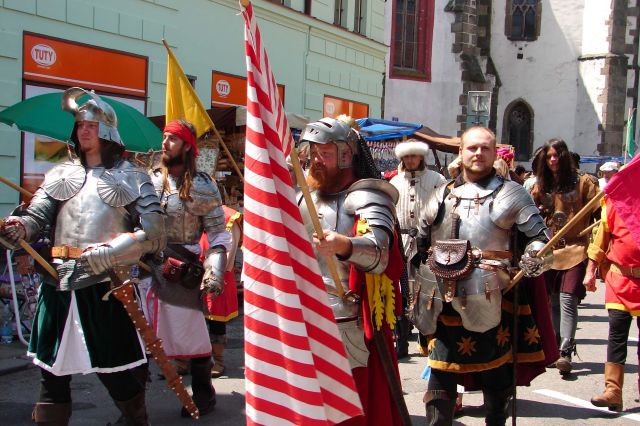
(296, 367)
(624, 192)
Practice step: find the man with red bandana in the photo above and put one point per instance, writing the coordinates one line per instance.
(192, 203)
(618, 255)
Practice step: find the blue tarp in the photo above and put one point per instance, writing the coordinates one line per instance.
(375, 129)
(595, 159)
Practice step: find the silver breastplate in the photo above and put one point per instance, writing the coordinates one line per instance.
(183, 227)
(473, 204)
(332, 216)
(85, 219)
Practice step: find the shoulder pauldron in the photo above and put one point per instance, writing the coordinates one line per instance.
(65, 180)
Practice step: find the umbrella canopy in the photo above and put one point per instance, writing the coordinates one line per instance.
(43, 115)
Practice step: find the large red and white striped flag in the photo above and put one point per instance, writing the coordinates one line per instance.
(296, 367)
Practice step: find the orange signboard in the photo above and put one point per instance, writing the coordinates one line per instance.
(334, 107)
(67, 63)
(229, 89)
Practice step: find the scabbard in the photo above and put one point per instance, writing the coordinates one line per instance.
(395, 388)
(125, 294)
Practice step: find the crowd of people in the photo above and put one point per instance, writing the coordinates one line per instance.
(440, 252)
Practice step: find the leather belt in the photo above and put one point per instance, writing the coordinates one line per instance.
(494, 254)
(627, 271)
(347, 319)
(66, 252)
(410, 231)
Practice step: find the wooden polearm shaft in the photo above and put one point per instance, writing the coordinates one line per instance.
(18, 188)
(588, 229)
(36, 256)
(587, 209)
(313, 213)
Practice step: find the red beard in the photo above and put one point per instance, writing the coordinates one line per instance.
(321, 178)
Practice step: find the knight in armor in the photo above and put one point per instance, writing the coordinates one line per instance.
(104, 215)
(414, 182)
(357, 213)
(193, 205)
(466, 245)
(560, 192)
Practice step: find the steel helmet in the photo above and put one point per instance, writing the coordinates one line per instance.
(329, 130)
(94, 109)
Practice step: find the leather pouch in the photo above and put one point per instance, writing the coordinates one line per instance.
(451, 260)
(174, 269)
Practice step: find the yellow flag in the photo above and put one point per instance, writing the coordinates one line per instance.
(182, 100)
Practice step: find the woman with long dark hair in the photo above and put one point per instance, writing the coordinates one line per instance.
(560, 192)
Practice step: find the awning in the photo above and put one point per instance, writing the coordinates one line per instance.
(437, 141)
(375, 129)
(596, 159)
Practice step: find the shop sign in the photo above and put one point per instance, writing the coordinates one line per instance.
(231, 90)
(67, 63)
(334, 107)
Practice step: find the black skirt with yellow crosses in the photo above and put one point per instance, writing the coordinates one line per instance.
(458, 350)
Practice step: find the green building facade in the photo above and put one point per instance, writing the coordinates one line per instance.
(328, 54)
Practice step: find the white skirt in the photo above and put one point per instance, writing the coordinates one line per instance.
(183, 330)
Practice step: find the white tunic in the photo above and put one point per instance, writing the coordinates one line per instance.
(414, 188)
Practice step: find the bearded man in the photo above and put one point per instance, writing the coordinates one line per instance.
(466, 244)
(104, 215)
(357, 214)
(193, 205)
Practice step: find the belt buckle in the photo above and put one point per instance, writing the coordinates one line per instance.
(65, 251)
(635, 271)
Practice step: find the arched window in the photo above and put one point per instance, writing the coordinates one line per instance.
(518, 129)
(522, 19)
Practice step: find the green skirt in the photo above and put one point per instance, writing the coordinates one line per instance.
(77, 332)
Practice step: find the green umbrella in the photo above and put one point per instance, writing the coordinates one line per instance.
(43, 115)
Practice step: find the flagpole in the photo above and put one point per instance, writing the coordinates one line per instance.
(311, 208)
(16, 187)
(213, 126)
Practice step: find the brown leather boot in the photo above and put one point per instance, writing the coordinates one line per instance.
(134, 410)
(612, 395)
(50, 414)
(204, 394)
(217, 348)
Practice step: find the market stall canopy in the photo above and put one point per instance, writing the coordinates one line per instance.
(439, 142)
(596, 159)
(376, 129)
(43, 115)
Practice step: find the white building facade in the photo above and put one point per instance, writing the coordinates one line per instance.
(553, 68)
